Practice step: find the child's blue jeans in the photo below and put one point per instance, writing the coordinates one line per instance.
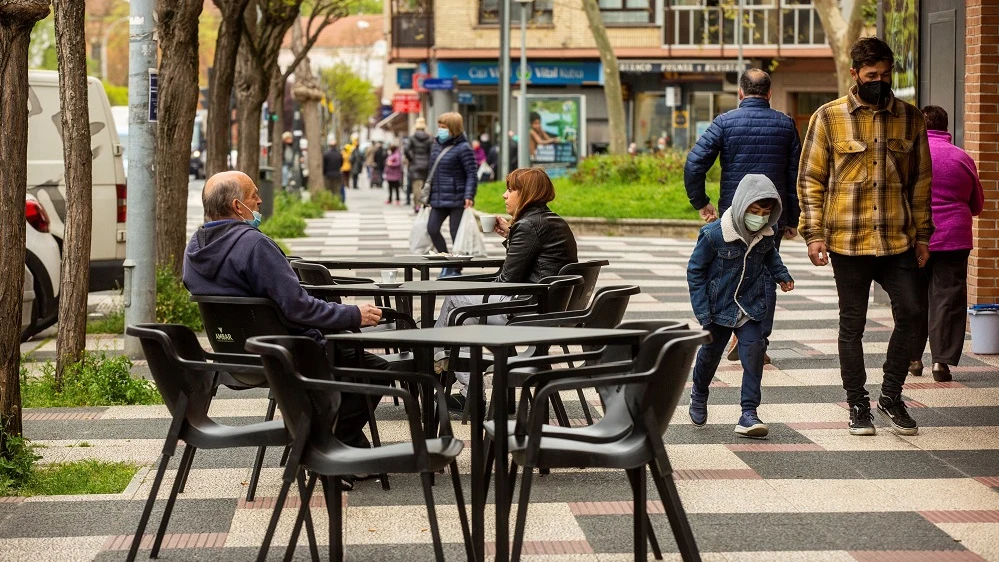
(752, 347)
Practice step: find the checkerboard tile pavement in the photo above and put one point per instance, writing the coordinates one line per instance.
(809, 492)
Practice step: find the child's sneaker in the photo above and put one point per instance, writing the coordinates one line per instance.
(698, 411)
(750, 425)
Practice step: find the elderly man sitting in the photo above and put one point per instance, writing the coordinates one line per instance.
(228, 256)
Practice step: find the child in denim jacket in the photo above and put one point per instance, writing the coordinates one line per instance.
(726, 281)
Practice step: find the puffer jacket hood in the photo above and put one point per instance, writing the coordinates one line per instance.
(753, 188)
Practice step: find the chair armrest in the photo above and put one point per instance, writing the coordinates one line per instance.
(551, 319)
(519, 361)
(408, 400)
(543, 378)
(205, 366)
(470, 277)
(537, 417)
(351, 280)
(393, 315)
(488, 309)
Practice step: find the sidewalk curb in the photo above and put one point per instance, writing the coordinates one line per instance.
(649, 228)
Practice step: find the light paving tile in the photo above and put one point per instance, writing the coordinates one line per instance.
(940, 494)
(140, 451)
(954, 438)
(830, 376)
(980, 538)
(732, 496)
(704, 457)
(248, 527)
(790, 556)
(834, 496)
(771, 377)
(238, 407)
(667, 556)
(62, 549)
(956, 397)
(205, 483)
(770, 413)
(135, 412)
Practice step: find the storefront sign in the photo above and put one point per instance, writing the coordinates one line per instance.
(466, 98)
(404, 77)
(542, 73)
(406, 102)
(683, 66)
(559, 141)
(680, 119)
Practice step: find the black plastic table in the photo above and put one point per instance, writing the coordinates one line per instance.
(428, 291)
(408, 263)
(501, 341)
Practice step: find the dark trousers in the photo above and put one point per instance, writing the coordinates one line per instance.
(436, 219)
(334, 184)
(770, 293)
(898, 275)
(751, 349)
(353, 411)
(393, 190)
(945, 294)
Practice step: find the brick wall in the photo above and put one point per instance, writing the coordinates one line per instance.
(981, 140)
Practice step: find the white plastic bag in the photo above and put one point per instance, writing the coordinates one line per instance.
(419, 238)
(485, 172)
(469, 241)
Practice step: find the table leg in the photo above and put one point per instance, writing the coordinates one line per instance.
(500, 417)
(478, 458)
(425, 273)
(427, 319)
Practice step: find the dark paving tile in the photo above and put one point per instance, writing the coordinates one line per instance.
(956, 416)
(148, 428)
(972, 463)
(850, 464)
(778, 532)
(720, 432)
(115, 517)
(776, 395)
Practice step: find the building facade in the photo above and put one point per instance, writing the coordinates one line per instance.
(679, 60)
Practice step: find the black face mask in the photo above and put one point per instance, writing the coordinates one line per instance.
(875, 93)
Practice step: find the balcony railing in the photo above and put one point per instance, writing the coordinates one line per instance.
(767, 25)
(413, 30)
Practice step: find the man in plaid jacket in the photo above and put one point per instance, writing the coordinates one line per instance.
(864, 190)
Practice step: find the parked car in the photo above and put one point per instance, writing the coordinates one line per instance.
(120, 115)
(42, 259)
(47, 183)
(27, 302)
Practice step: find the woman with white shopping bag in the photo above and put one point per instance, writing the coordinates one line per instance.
(452, 180)
(539, 243)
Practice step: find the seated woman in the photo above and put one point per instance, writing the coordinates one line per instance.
(538, 244)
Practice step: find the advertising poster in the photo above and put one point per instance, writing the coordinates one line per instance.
(901, 32)
(556, 132)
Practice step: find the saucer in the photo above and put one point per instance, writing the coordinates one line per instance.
(388, 285)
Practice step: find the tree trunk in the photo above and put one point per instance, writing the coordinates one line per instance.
(71, 339)
(16, 20)
(612, 79)
(220, 88)
(308, 95)
(842, 31)
(178, 33)
(250, 95)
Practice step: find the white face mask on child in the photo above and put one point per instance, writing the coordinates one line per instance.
(755, 222)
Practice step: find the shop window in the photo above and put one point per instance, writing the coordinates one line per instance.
(540, 12)
(805, 104)
(616, 12)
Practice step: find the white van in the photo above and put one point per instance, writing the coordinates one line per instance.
(46, 178)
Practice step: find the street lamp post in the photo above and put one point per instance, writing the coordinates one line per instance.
(504, 88)
(523, 156)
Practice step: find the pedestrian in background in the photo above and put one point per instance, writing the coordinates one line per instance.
(393, 172)
(356, 161)
(752, 139)
(956, 196)
(418, 156)
(378, 165)
(287, 158)
(453, 185)
(332, 177)
(864, 186)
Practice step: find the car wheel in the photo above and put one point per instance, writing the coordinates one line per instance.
(32, 328)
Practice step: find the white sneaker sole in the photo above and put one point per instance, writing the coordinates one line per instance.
(756, 430)
(863, 431)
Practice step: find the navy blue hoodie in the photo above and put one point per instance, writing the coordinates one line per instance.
(231, 258)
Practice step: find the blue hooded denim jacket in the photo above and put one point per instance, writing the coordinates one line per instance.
(725, 271)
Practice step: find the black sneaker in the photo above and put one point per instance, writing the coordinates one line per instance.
(897, 415)
(456, 403)
(861, 420)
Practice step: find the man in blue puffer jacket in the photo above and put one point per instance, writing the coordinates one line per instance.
(753, 139)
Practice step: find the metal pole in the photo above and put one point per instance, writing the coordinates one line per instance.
(504, 89)
(140, 252)
(523, 157)
(738, 37)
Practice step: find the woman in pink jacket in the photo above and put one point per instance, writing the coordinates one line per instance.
(393, 172)
(956, 197)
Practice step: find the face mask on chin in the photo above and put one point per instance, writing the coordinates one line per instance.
(875, 93)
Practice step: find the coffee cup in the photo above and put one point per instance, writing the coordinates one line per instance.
(488, 222)
(389, 275)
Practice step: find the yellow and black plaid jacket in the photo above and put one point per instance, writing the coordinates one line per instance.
(864, 178)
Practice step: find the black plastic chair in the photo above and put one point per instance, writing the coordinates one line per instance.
(186, 380)
(297, 369)
(651, 397)
(589, 271)
(311, 273)
(231, 321)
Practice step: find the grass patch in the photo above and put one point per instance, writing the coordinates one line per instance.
(79, 477)
(111, 323)
(97, 380)
(617, 187)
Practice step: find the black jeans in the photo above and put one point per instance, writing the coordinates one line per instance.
(898, 275)
(436, 219)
